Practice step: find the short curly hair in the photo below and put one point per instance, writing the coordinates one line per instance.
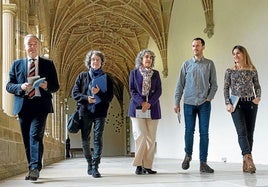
(138, 61)
(89, 55)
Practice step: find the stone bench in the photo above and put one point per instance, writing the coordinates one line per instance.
(76, 152)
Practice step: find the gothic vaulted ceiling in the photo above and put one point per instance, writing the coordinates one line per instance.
(119, 28)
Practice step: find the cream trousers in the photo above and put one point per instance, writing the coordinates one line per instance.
(144, 133)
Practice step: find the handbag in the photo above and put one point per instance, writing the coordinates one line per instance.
(73, 125)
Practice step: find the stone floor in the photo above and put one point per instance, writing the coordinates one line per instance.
(119, 172)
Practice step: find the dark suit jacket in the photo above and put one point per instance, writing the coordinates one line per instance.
(18, 75)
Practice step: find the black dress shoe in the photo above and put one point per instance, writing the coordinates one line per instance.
(140, 171)
(33, 174)
(149, 171)
(27, 177)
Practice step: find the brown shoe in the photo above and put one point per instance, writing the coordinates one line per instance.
(204, 168)
(186, 162)
(248, 164)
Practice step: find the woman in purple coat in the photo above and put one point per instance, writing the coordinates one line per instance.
(144, 109)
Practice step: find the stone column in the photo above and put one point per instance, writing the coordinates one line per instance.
(1, 49)
(8, 44)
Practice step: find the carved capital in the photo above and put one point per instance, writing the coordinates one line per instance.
(208, 10)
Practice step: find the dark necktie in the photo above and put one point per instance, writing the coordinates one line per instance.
(31, 74)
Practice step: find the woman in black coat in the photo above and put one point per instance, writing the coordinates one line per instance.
(93, 91)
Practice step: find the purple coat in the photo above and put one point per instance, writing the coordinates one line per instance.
(135, 88)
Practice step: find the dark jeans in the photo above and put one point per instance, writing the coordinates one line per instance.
(98, 128)
(244, 118)
(203, 113)
(32, 129)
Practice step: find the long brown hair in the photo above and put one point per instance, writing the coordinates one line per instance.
(248, 62)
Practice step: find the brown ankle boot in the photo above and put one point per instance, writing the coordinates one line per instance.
(244, 165)
(248, 165)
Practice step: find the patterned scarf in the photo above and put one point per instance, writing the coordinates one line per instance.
(146, 84)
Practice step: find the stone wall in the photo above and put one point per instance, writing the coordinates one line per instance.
(13, 158)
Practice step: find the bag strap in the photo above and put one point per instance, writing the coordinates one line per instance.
(84, 81)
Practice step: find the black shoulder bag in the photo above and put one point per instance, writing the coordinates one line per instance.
(74, 124)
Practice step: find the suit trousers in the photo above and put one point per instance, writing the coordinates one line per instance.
(144, 133)
(32, 128)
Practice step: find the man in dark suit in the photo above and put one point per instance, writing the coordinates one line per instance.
(32, 105)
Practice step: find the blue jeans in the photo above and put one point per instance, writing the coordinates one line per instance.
(32, 128)
(203, 113)
(98, 128)
(244, 118)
